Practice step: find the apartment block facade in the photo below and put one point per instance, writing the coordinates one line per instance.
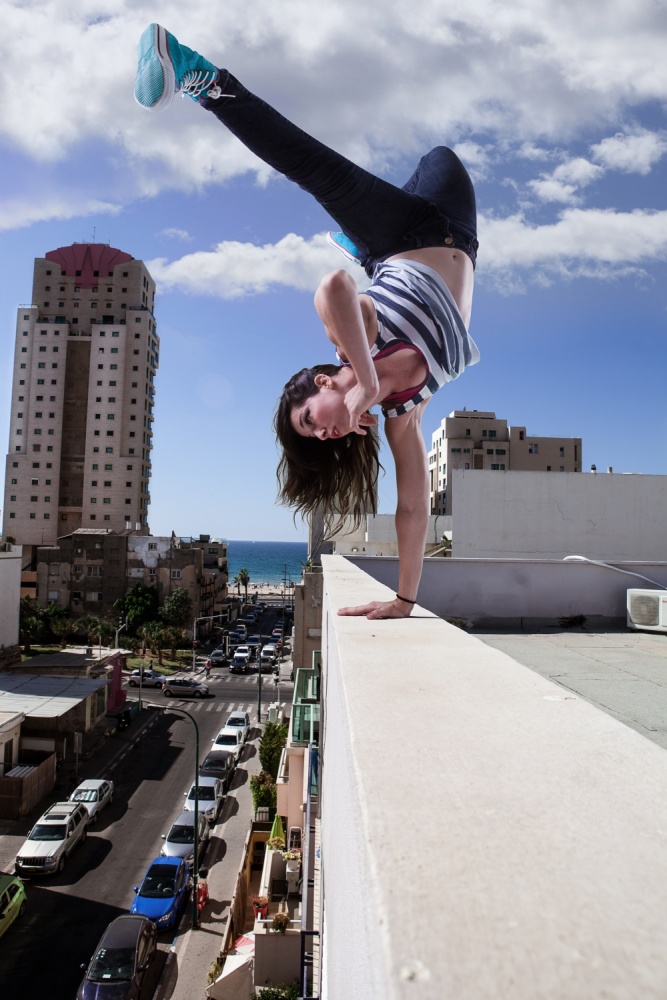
(476, 439)
(92, 568)
(83, 396)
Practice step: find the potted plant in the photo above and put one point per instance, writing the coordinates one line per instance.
(260, 906)
(291, 855)
(276, 843)
(280, 923)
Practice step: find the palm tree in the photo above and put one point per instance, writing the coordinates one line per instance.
(31, 622)
(244, 579)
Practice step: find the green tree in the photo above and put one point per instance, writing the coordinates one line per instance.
(177, 608)
(263, 790)
(61, 626)
(271, 744)
(31, 622)
(157, 638)
(96, 629)
(140, 605)
(244, 579)
(174, 639)
(279, 992)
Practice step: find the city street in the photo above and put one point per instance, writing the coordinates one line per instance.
(67, 913)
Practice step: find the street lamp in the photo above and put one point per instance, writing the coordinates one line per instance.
(195, 853)
(203, 618)
(120, 628)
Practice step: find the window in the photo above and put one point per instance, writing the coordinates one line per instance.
(152, 546)
(94, 571)
(501, 451)
(113, 367)
(533, 449)
(176, 574)
(107, 482)
(128, 485)
(93, 482)
(107, 500)
(95, 465)
(489, 451)
(562, 452)
(93, 499)
(108, 467)
(111, 416)
(109, 451)
(128, 501)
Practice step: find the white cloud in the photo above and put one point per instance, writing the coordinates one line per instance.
(564, 183)
(177, 234)
(18, 213)
(589, 243)
(532, 70)
(582, 242)
(632, 153)
(235, 269)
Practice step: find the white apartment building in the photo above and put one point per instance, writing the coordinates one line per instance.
(477, 439)
(83, 394)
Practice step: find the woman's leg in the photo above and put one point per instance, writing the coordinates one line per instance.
(378, 216)
(442, 180)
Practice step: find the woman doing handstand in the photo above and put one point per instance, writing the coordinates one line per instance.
(398, 342)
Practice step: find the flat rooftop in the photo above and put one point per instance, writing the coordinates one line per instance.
(44, 696)
(621, 672)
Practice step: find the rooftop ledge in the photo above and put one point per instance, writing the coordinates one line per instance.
(485, 834)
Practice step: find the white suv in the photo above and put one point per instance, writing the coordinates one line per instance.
(54, 835)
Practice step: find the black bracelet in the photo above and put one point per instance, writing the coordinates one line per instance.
(407, 600)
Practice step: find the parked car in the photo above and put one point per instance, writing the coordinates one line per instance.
(254, 640)
(124, 953)
(211, 793)
(229, 739)
(241, 630)
(184, 687)
(95, 794)
(240, 721)
(269, 655)
(55, 834)
(150, 678)
(219, 764)
(163, 891)
(12, 901)
(179, 842)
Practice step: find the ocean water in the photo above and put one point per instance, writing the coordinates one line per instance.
(267, 562)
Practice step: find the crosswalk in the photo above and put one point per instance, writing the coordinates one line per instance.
(208, 705)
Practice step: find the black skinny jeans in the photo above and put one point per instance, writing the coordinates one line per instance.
(435, 208)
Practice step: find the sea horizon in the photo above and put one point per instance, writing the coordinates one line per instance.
(266, 562)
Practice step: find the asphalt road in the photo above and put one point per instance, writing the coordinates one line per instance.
(41, 955)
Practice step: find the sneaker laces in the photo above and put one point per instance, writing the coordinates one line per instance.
(195, 82)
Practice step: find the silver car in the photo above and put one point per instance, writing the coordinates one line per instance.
(184, 687)
(211, 793)
(180, 841)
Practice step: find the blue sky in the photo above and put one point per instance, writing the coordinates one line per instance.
(557, 110)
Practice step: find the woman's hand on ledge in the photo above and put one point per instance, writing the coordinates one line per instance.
(380, 609)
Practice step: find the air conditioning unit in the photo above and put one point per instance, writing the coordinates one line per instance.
(647, 609)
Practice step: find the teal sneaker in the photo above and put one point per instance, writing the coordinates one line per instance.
(343, 243)
(166, 68)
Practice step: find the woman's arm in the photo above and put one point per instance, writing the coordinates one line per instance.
(338, 306)
(406, 441)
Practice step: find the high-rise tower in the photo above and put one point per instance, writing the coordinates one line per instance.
(83, 395)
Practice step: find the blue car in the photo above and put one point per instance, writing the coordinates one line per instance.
(163, 892)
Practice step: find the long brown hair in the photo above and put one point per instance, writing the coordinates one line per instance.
(337, 474)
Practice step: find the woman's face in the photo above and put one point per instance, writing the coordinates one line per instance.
(324, 414)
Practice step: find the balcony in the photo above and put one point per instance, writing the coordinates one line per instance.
(305, 719)
(485, 832)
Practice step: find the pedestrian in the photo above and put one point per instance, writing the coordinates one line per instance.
(397, 343)
(207, 668)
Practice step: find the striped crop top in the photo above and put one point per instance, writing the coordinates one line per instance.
(414, 307)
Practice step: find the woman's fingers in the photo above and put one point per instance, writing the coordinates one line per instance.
(379, 609)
